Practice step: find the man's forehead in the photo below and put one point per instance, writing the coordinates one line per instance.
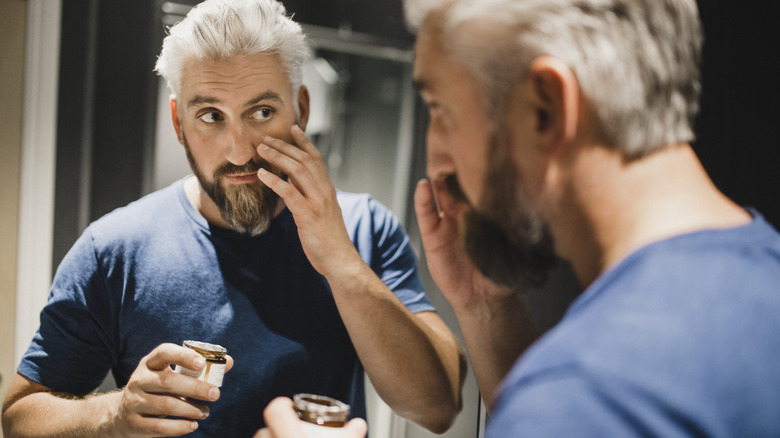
(429, 52)
(244, 75)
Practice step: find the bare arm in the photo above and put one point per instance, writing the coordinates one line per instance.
(495, 323)
(32, 410)
(140, 409)
(413, 360)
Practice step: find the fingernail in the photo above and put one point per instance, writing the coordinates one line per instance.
(213, 393)
(263, 147)
(194, 425)
(204, 413)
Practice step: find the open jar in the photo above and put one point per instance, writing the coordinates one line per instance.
(321, 416)
(216, 361)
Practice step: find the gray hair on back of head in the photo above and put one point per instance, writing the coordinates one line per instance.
(219, 29)
(637, 62)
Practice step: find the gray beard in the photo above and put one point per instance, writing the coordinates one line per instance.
(247, 208)
(506, 238)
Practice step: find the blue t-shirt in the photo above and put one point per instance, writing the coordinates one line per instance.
(679, 339)
(155, 271)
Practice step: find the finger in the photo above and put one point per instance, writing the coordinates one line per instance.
(165, 355)
(425, 206)
(283, 155)
(229, 363)
(168, 405)
(169, 382)
(299, 167)
(263, 433)
(356, 428)
(447, 204)
(303, 142)
(166, 381)
(187, 386)
(162, 427)
(302, 151)
(281, 419)
(288, 192)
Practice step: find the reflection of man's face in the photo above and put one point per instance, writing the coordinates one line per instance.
(224, 109)
(502, 232)
(247, 208)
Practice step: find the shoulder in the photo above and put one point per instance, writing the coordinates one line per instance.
(560, 403)
(356, 204)
(361, 210)
(157, 213)
(650, 329)
(143, 211)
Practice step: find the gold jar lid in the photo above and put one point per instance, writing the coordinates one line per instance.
(209, 351)
(322, 410)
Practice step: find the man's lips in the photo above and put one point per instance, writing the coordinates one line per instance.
(242, 178)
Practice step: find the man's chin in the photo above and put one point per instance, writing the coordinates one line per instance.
(516, 262)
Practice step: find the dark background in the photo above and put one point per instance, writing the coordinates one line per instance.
(106, 117)
(738, 129)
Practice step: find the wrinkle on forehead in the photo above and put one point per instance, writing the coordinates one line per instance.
(237, 74)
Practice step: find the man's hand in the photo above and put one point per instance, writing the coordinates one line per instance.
(495, 323)
(155, 392)
(282, 422)
(141, 409)
(311, 198)
(438, 215)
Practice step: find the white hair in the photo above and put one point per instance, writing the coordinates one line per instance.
(218, 29)
(415, 11)
(636, 61)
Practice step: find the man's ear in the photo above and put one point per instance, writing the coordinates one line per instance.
(175, 119)
(303, 107)
(554, 91)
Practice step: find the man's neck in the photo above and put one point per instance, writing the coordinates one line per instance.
(619, 207)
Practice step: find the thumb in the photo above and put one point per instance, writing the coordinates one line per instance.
(356, 428)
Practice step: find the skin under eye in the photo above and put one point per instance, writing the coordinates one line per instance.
(441, 117)
(210, 117)
(435, 112)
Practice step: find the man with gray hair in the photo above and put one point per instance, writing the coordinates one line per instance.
(563, 127)
(305, 286)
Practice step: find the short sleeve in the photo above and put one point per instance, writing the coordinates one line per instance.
(384, 245)
(74, 347)
(394, 260)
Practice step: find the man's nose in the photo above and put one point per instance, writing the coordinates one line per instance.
(439, 161)
(240, 145)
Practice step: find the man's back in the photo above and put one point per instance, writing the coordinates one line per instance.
(680, 338)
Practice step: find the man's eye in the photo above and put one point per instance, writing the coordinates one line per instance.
(262, 114)
(211, 117)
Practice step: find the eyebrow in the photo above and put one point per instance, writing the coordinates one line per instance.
(267, 95)
(200, 100)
